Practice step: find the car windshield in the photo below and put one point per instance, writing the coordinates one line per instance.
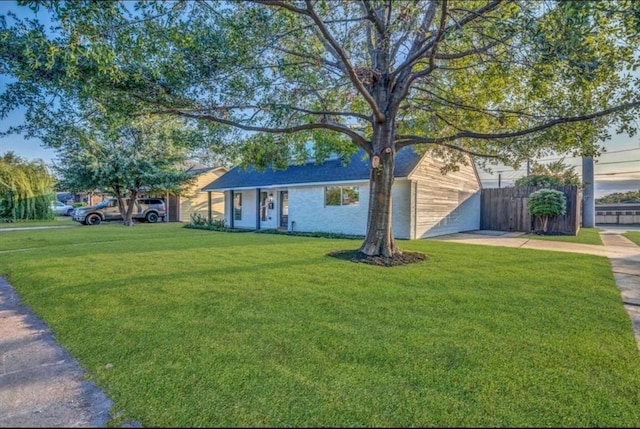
(102, 204)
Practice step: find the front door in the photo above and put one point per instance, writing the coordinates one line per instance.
(266, 211)
(284, 209)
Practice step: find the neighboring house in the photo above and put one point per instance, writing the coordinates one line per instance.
(209, 205)
(332, 197)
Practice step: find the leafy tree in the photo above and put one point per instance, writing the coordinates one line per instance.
(555, 173)
(126, 158)
(26, 189)
(500, 79)
(545, 204)
(620, 197)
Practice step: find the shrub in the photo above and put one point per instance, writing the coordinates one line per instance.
(546, 203)
(198, 219)
(200, 222)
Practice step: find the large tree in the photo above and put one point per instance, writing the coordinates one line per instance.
(501, 79)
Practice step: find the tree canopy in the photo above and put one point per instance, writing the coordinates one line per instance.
(555, 173)
(491, 79)
(128, 157)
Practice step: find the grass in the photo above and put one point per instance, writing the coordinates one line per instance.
(633, 236)
(584, 236)
(213, 329)
(58, 221)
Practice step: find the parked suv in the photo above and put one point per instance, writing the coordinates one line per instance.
(147, 209)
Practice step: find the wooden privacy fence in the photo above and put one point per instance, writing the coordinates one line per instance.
(505, 209)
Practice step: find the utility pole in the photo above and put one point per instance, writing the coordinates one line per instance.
(499, 179)
(588, 193)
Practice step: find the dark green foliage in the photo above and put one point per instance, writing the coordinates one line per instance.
(544, 204)
(334, 235)
(620, 197)
(200, 222)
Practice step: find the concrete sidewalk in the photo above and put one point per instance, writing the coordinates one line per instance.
(41, 384)
(623, 254)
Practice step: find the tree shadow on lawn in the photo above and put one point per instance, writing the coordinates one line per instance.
(404, 258)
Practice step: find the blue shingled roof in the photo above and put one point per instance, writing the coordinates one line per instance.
(330, 171)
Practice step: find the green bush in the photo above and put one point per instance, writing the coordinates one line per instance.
(200, 222)
(81, 204)
(198, 219)
(546, 203)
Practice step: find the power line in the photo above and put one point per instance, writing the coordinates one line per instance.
(577, 157)
(617, 162)
(621, 150)
(616, 173)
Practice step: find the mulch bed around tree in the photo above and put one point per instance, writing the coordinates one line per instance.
(356, 256)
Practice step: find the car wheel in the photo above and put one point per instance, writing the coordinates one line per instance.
(69, 212)
(151, 217)
(93, 219)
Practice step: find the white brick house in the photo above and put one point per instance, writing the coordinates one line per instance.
(332, 197)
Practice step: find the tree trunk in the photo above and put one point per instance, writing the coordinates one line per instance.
(379, 240)
(126, 210)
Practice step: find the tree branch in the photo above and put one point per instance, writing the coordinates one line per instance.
(329, 125)
(439, 36)
(345, 60)
(473, 15)
(410, 139)
(373, 17)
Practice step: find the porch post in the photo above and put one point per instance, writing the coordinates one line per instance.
(231, 211)
(257, 208)
(209, 214)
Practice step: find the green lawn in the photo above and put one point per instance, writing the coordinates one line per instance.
(633, 236)
(58, 221)
(213, 329)
(585, 236)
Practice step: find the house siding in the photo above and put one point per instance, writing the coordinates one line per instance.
(196, 201)
(308, 213)
(425, 202)
(444, 203)
(307, 210)
(248, 209)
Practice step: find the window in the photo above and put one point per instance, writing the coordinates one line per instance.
(237, 207)
(341, 195)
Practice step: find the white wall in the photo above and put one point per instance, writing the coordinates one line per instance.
(248, 209)
(307, 210)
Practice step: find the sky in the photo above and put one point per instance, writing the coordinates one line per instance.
(616, 170)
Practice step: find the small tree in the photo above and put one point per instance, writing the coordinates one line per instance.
(553, 174)
(544, 204)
